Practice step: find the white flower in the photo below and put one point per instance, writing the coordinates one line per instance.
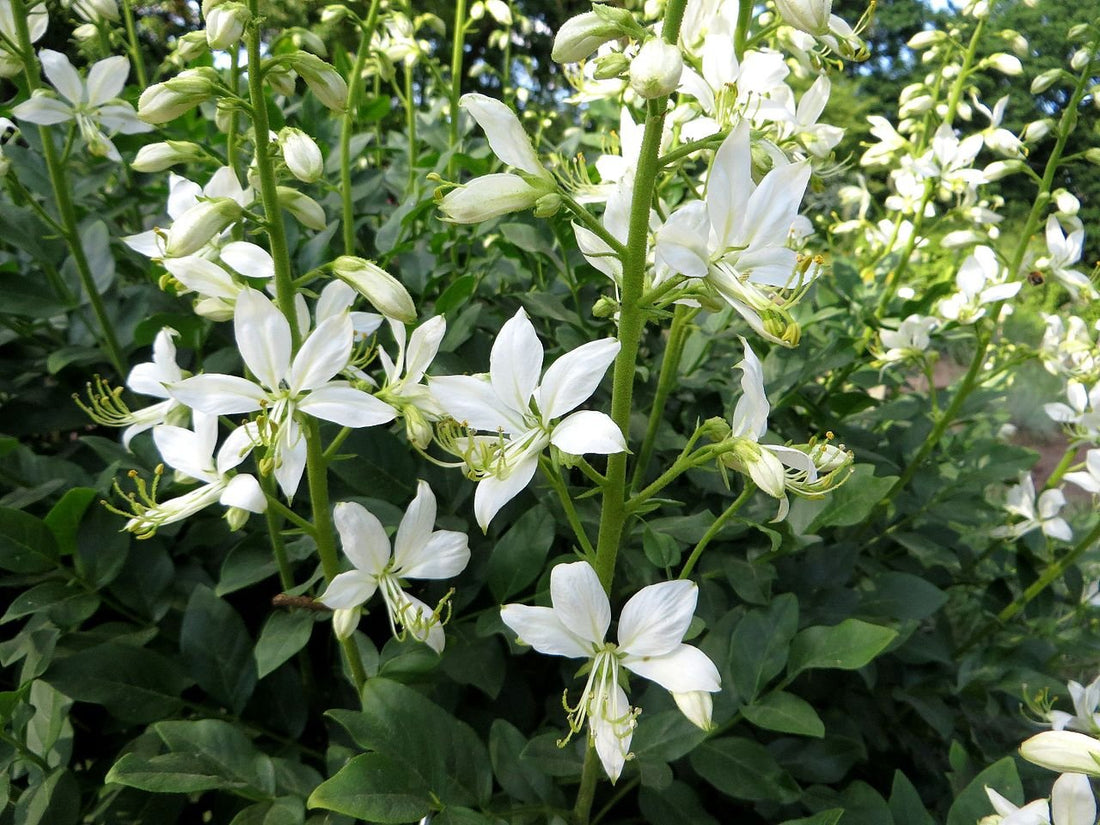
(301, 155)
(1082, 414)
(418, 553)
(911, 339)
(38, 20)
(385, 292)
(225, 24)
(285, 387)
(1063, 750)
(1071, 803)
(1086, 703)
(511, 404)
(1064, 251)
(737, 237)
(1021, 502)
(403, 387)
(191, 454)
(655, 71)
(650, 633)
(94, 104)
(996, 137)
(980, 281)
(152, 378)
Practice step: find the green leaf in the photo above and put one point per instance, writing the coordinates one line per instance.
(519, 555)
(95, 238)
(905, 803)
(901, 596)
(665, 736)
(283, 635)
(759, 643)
(743, 769)
(853, 502)
(827, 817)
(456, 294)
(136, 685)
(286, 810)
(675, 805)
(169, 773)
(973, 803)
(55, 801)
(447, 756)
(543, 753)
(225, 748)
(661, 549)
(846, 646)
(519, 779)
(217, 649)
(786, 713)
(66, 604)
(27, 545)
(65, 517)
(375, 788)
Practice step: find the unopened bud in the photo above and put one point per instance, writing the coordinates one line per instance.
(344, 621)
(605, 307)
(225, 24)
(1045, 80)
(305, 209)
(611, 65)
(323, 80)
(384, 291)
(281, 79)
(1093, 156)
(156, 157)
(301, 155)
(166, 101)
(716, 429)
(548, 205)
(236, 517)
(1037, 130)
(579, 36)
(94, 10)
(1080, 59)
(191, 46)
(192, 230)
(1007, 64)
(655, 72)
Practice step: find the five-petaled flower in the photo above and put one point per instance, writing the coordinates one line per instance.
(419, 552)
(650, 633)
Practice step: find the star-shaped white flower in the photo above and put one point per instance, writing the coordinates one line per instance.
(1086, 705)
(419, 552)
(650, 643)
(1063, 252)
(1041, 514)
(94, 104)
(286, 387)
(512, 404)
(1071, 803)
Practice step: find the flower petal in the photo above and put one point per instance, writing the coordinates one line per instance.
(423, 346)
(61, 74)
(470, 399)
(416, 525)
(106, 79)
(349, 589)
(342, 404)
(185, 450)
(362, 537)
(248, 259)
(612, 729)
(218, 394)
(682, 670)
(656, 618)
(515, 363)
(505, 133)
(493, 492)
(290, 457)
(263, 337)
(580, 601)
(573, 378)
(244, 491)
(1071, 800)
(324, 354)
(45, 111)
(541, 628)
(586, 432)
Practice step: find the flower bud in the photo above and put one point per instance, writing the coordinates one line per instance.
(323, 80)
(579, 36)
(1037, 130)
(195, 227)
(344, 621)
(655, 72)
(301, 155)
(605, 307)
(191, 46)
(417, 428)
(281, 79)
(1063, 751)
(236, 518)
(1093, 156)
(1002, 168)
(335, 13)
(94, 10)
(304, 208)
(924, 39)
(697, 706)
(225, 24)
(384, 291)
(166, 101)
(1006, 64)
(1080, 59)
(548, 205)
(156, 157)
(611, 65)
(1045, 80)
(490, 196)
(810, 16)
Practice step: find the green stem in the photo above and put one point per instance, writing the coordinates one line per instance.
(232, 136)
(553, 475)
(687, 460)
(135, 47)
(692, 147)
(716, 528)
(24, 751)
(355, 89)
(60, 186)
(410, 126)
(273, 518)
(670, 366)
(590, 775)
(593, 223)
(457, 46)
(741, 35)
(1063, 466)
(276, 235)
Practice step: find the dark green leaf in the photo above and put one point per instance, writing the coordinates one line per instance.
(283, 635)
(223, 746)
(676, 804)
(661, 549)
(786, 713)
(26, 543)
(973, 803)
(902, 596)
(286, 810)
(905, 803)
(518, 777)
(217, 649)
(67, 604)
(759, 643)
(829, 817)
(743, 769)
(846, 646)
(65, 516)
(376, 788)
(55, 801)
(853, 502)
(519, 555)
(169, 773)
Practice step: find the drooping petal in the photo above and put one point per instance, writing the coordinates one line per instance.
(505, 133)
(470, 399)
(62, 76)
(418, 620)
(184, 450)
(342, 404)
(244, 491)
(218, 394)
(362, 537)
(1071, 800)
(236, 447)
(45, 111)
(684, 669)
(750, 416)
(515, 362)
(494, 492)
(586, 432)
(423, 346)
(324, 354)
(612, 729)
(443, 556)
(774, 205)
(580, 601)
(263, 337)
(250, 260)
(656, 618)
(203, 276)
(106, 79)
(290, 461)
(349, 589)
(541, 628)
(573, 378)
